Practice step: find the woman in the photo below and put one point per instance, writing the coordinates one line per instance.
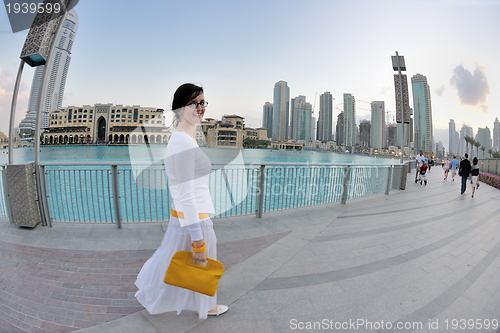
(475, 175)
(189, 228)
(446, 167)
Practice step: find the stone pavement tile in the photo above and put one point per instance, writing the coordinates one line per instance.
(63, 290)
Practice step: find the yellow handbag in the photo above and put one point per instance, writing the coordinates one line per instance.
(184, 273)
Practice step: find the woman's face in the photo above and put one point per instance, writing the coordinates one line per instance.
(193, 112)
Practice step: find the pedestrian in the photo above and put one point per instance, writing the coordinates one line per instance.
(446, 168)
(189, 228)
(420, 161)
(454, 164)
(475, 175)
(464, 172)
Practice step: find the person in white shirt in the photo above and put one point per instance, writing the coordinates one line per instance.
(190, 227)
(420, 161)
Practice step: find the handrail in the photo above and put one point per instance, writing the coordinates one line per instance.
(112, 192)
(99, 163)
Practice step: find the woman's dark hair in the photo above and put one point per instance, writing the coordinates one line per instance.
(474, 161)
(185, 94)
(182, 96)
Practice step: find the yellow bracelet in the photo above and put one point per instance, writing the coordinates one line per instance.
(199, 249)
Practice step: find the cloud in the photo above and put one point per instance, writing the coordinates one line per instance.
(440, 91)
(472, 89)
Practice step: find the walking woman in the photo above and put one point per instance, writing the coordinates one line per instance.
(189, 228)
(475, 175)
(446, 168)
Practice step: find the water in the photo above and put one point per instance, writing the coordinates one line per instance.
(216, 155)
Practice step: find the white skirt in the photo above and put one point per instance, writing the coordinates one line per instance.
(157, 296)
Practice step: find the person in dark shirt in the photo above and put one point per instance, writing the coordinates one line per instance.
(474, 173)
(464, 172)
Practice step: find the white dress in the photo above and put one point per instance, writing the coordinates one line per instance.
(187, 169)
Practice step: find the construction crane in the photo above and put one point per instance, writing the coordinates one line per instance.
(387, 116)
(314, 104)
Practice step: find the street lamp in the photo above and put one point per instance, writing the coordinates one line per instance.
(402, 116)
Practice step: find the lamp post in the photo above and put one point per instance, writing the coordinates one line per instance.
(36, 52)
(398, 63)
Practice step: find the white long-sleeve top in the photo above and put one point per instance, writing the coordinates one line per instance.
(188, 169)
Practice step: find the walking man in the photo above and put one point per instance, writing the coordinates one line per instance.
(420, 161)
(464, 172)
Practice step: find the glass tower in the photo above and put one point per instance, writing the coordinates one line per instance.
(422, 113)
(281, 111)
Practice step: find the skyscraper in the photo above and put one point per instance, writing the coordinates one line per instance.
(339, 129)
(364, 133)
(349, 120)
(422, 113)
(313, 128)
(51, 88)
(483, 136)
(281, 107)
(453, 145)
(377, 131)
(300, 120)
(496, 135)
(325, 124)
(267, 118)
(464, 131)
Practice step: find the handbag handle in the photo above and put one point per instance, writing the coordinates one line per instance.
(191, 263)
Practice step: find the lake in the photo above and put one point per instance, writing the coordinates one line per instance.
(156, 153)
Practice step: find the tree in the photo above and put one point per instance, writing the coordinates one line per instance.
(476, 144)
(483, 148)
(490, 151)
(468, 140)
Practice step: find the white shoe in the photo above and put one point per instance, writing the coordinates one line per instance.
(220, 310)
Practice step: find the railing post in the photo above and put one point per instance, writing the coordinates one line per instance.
(42, 200)
(260, 192)
(389, 179)
(116, 197)
(347, 175)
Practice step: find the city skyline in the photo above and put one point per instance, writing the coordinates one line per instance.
(239, 58)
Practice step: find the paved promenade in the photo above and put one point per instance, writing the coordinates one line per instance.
(426, 259)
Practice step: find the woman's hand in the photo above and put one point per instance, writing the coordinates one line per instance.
(199, 256)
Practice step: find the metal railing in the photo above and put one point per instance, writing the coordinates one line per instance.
(117, 192)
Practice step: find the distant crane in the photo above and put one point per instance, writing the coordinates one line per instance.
(387, 116)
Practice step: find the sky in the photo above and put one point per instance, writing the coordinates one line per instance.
(138, 52)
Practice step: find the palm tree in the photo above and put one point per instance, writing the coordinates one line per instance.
(490, 151)
(468, 139)
(476, 144)
(483, 148)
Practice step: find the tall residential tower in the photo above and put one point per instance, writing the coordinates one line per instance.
(325, 117)
(422, 113)
(377, 131)
(301, 119)
(281, 111)
(349, 120)
(51, 88)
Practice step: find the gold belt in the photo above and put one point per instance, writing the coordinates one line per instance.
(180, 215)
